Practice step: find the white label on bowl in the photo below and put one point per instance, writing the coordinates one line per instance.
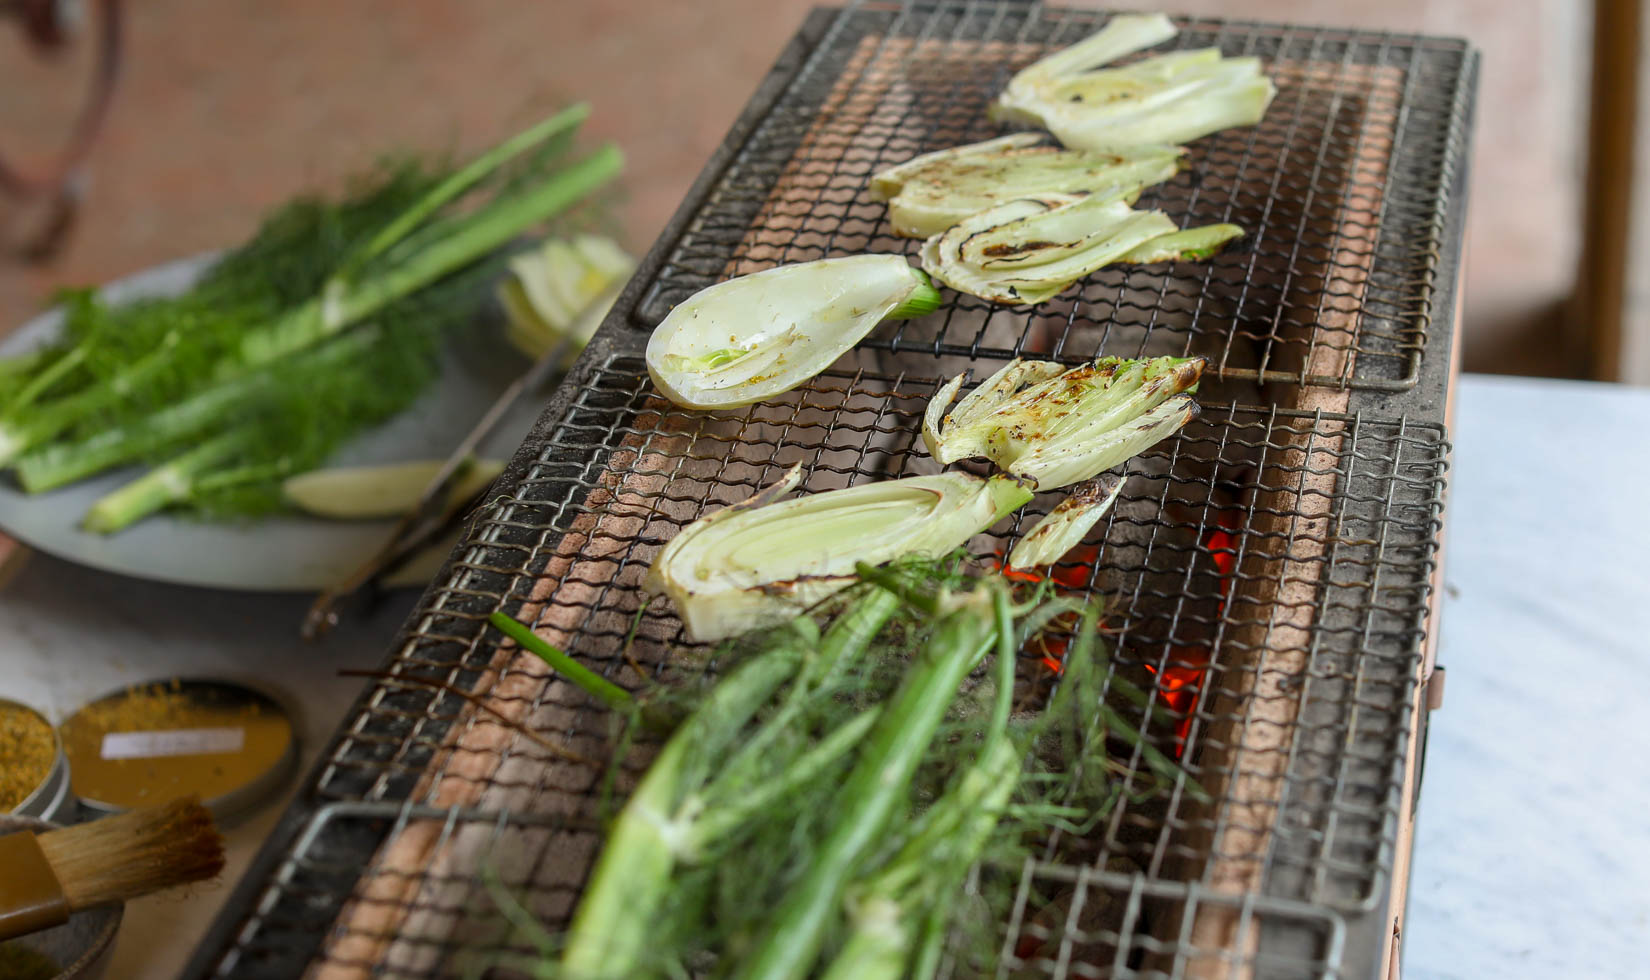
(189, 741)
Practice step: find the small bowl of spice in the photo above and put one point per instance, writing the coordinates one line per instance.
(226, 743)
(76, 950)
(34, 772)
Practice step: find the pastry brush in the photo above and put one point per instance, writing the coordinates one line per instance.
(52, 874)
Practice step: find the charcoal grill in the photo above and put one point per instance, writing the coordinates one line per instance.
(1271, 568)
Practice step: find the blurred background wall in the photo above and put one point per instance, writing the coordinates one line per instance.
(229, 107)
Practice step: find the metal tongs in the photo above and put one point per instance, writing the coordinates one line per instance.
(433, 515)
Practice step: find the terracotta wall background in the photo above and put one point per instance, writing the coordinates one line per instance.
(230, 107)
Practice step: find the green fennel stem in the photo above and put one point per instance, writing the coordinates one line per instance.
(456, 184)
(164, 485)
(873, 791)
(576, 673)
(61, 463)
(57, 464)
(735, 812)
(45, 379)
(924, 301)
(608, 936)
(20, 434)
(915, 892)
(985, 796)
(487, 229)
(843, 646)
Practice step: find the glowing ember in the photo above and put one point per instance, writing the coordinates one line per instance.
(1182, 677)
(1070, 575)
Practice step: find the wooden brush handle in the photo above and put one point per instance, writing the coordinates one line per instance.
(31, 898)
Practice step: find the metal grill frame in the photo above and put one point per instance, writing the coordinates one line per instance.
(1297, 937)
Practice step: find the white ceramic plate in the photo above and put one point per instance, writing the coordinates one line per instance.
(283, 553)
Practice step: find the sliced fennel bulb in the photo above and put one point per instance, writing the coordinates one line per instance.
(1023, 98)
(755, 336)
(761, 561)
(1030, 249)
(1062, 529)
(1052, 427)
(931, 193)
(1169, 98)
(561, 290)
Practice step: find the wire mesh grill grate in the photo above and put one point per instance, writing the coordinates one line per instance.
(1343, 189)
(1354, 501)
(394, 918)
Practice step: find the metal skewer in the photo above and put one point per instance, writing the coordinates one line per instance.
(431, 515)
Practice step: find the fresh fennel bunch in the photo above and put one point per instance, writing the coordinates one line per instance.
(198, 384)
(816, 808)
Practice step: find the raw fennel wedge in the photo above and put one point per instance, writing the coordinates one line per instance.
(1030, 249)
(561, 290)
(1052, 427)
(756, 336)
(1168, 98)
(933, 192)
(381, 491)
(763, 559)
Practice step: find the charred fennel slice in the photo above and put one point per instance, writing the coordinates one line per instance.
(930, 193)
(1063, 528)
(1030, 249)
(755, 336)
(1168, 98)
(1051, 426)
(763, 560)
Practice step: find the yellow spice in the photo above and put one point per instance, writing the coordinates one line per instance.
(26, 754)
(130, 782)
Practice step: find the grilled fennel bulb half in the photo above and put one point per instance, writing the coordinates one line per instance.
(763, 560)
(756, 336)
(1029, 250)
(930, 193)
(1051, 427)
(1174, 97)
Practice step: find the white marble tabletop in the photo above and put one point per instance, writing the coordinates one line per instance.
(1532, 853)
(1532, 856)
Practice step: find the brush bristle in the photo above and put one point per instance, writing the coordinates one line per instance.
(134, 853)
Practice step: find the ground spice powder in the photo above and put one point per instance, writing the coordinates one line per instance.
(27, 751)
(170, 707)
